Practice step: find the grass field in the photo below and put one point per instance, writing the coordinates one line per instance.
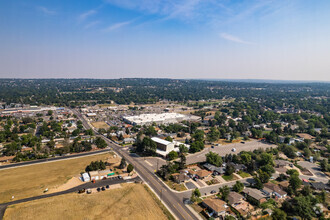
(132, 201)
(176, 186)
(243, 174)
(229, 178)
(28, 181)
(100, 124)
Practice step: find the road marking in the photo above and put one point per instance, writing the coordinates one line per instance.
(147, 162)
(179, 211)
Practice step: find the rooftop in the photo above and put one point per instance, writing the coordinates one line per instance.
(215, 204)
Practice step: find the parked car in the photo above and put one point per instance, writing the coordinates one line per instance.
(89, 191)
(81, 190)
(103, 188)
(233, 150)
(119, 177)
(311, 179)
(107, 186)
(242, 142)
(213, 191)
(212, 146)
(98, 189)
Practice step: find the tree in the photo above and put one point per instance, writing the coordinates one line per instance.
(229, 169)
(307, 152)
(238, 187)
(246, 158)
(266, 158)
(172, 155)
(50, 112)
(278, 214)
(224, 192)
(122, 163)
(257, 183)
(196, 146)
(263, 176)
(182, 163)
(214, 159)
(100, 143)
(169, 138)
(214, 134)
(324, 165)
(198, 135)
(294, 182)
(183, 149)
(197, 193)
(130, 168)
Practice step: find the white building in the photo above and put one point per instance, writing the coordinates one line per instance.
(164, 118)
(85, 177)
(164, 147)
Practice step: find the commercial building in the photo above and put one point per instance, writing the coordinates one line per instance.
(164, 147)
(164, 118)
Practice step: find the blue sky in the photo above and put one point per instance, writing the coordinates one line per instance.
(264, 39)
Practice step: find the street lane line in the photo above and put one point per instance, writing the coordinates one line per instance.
(147, 162)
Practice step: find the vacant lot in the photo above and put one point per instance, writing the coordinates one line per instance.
(100, 124)
(132, 201)
(28, 181)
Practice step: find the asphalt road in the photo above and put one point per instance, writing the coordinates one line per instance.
(12, 165)
(172, 200)
(89, 185)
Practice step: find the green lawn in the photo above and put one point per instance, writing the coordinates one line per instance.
(243, 174)
(228, 178)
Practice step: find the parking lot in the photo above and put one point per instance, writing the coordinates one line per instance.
(222, 150)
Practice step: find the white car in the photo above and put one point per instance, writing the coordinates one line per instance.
(233, 150)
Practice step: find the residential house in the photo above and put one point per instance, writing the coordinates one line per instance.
(215, 207)
(235, 198)
(272, 189)
(180, 177)
(237, 201)
(201, 174)
(319, 186)
(214, 169)
(238, 167)
(254, 195)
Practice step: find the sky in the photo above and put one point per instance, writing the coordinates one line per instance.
(218, 39)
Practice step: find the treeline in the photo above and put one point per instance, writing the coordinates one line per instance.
(71, 92)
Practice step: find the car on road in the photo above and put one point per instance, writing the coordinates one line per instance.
(81, 191)
(311, 179)
(233, 150)
(213, 191)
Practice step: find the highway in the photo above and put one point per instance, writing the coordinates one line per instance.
(172, 200)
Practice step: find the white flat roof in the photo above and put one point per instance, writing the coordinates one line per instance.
(161, 141)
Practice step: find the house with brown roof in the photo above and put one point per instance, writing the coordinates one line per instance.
(272, 189)
(306, 136)
(180, 177)
(201, 174)
(254, 195)
(235, 198)
(215, 207)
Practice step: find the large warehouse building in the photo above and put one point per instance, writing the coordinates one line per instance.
(164, 118)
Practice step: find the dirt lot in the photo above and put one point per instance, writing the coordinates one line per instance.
(23, 182)
(132, 201)
(100, 124)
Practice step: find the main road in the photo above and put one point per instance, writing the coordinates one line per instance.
(172, 200)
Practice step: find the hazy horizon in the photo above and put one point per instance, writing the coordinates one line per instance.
(187, 39)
